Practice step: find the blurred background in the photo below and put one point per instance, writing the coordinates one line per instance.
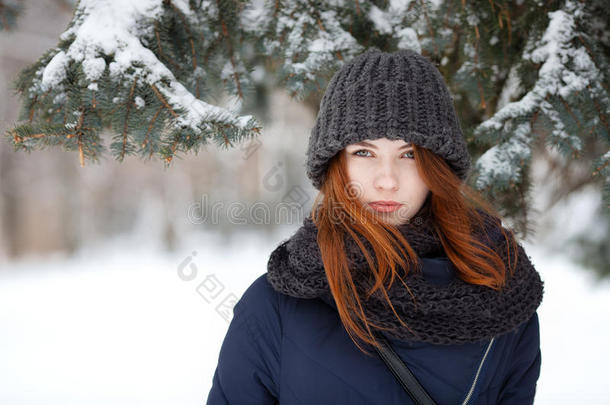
(117, 280)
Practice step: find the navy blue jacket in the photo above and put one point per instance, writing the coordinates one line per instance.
(287, 350)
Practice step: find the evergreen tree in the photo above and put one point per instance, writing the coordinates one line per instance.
(524, 74)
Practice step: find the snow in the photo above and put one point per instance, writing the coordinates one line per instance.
(139, 101)
(554, 51)
(407, 39)
(94, 68)
(378, 17)
(472, 19)
(118, 29)
(324, 38)
(55, 72)
(119, 324)
(109, 27)
(556, 76)
(502, 162)
(397, 21)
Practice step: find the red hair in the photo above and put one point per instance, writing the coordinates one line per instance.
(456, 210)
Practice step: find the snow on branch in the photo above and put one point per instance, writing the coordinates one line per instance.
(566, 69)
(314, 42)
(398, 20)
(108, 63)
(503, 163)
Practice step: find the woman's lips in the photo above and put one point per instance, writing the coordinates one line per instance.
(385, 207)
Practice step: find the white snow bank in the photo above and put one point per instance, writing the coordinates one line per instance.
(120, 326)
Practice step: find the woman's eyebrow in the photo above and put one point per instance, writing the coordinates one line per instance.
(370, 145)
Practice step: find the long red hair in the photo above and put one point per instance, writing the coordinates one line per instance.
(453, 207)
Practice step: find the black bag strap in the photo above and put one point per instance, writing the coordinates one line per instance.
(402, 373)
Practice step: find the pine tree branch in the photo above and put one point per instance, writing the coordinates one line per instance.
(126, 119)
(477, 69)
(602, 116)
(177, 47)
(598, 169)
(569, 110)
(190, 39)
(225, 33)
(430, 27)
(160, 48)
(150, 126)
(338, 53)
(163, 100)
(65, 80)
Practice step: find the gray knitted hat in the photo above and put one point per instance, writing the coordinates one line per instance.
(398, 95)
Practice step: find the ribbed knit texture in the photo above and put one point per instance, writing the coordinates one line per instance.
(398, 95)
(459, 312)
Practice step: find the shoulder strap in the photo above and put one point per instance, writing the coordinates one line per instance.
(402, 373)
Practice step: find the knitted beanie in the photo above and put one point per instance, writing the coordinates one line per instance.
(398, 95)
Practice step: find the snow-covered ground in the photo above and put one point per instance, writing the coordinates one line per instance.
(126, 325)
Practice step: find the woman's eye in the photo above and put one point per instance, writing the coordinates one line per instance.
(360, 150)
(357, 153)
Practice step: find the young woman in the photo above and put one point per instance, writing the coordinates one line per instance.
(396, 245)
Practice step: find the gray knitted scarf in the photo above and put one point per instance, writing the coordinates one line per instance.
(455, 313)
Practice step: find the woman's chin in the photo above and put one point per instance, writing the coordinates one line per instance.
(392, 218)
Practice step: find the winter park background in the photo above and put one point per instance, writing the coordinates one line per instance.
(105, 271)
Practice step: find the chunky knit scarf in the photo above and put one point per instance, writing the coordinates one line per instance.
(458, 312)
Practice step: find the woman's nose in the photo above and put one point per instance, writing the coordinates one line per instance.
(386, 177)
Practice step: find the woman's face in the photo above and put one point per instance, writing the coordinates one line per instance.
(385, 170)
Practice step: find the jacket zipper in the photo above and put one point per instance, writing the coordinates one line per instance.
(476, 377)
